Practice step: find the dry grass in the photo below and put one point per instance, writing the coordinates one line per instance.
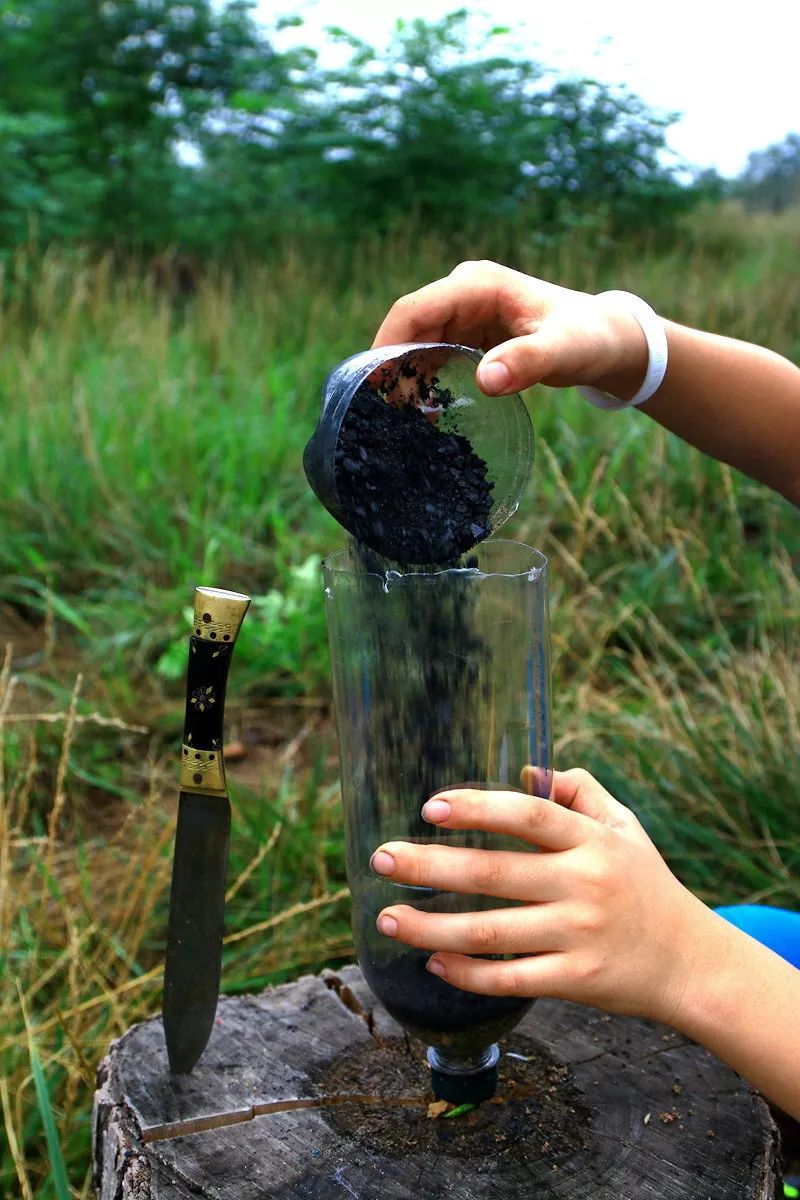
(82, 916)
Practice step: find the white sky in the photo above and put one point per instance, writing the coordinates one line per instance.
(731, 69)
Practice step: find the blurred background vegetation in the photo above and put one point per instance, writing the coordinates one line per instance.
(142, 126)
(194, 227)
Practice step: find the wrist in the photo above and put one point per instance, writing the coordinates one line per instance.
(706, 976)
(685, 942)
(626, 308)
(740, 1001)
(629, 351)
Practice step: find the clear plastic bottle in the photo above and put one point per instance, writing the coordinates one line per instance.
(440, 679)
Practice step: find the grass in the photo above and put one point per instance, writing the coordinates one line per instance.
(150, 443)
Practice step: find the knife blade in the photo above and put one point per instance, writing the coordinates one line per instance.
(193, 962)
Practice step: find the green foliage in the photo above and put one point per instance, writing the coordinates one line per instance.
(444, 126)
(44, 191)
(283, 644)
(143, 124)
(58, 1171)
(97, 95)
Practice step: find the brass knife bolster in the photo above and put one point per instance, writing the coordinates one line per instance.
(218, 617)
(203, 772)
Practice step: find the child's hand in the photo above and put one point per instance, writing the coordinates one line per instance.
(606, 921)
(535, 332)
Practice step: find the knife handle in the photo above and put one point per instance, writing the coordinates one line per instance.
(218, 617)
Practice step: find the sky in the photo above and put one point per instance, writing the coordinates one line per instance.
(730, 70)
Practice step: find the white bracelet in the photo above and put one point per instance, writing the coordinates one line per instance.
(656, 335)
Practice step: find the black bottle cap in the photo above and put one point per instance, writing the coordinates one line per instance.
(473, 1088)
(464, 1082)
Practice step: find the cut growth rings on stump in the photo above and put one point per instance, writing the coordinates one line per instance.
(311, 1092)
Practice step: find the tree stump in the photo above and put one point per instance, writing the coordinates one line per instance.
(310, 1091)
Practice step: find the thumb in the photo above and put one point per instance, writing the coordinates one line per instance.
(580, 791)
(520, 362)
(560, 353)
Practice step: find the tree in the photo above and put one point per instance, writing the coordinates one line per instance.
(102, 101)
(116, 85)
(462, 135)
(771, 179)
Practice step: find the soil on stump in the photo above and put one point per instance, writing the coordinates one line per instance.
(536, 1115)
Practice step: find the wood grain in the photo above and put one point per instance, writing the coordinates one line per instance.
(664, 1119)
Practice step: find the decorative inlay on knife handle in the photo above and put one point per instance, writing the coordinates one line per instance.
(218, 617)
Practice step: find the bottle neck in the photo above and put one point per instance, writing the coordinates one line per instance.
(485, 1060)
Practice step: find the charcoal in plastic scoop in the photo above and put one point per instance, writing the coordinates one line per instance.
(412, 458)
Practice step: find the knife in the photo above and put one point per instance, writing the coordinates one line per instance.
(199, 868)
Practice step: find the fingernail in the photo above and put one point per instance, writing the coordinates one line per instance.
(382, 863)
(436, 968)
(387, 925)
(494, 377)
(436, 810)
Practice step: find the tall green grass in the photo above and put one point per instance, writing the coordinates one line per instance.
(150, 443)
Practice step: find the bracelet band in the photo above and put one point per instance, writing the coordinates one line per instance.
(656, 336)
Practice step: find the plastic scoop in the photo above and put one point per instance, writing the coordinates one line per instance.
(412, 458)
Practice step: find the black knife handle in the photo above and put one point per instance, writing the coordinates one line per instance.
(218, 617)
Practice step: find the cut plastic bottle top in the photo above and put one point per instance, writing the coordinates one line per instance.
(412, 458)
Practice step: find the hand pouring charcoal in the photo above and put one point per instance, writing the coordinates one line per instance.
(410, 456)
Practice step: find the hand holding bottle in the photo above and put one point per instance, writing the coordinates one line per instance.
(599, 919)
(599, 915)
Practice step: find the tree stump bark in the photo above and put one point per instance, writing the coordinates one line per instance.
(310, 1091)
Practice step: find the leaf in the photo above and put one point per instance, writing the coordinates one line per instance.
(460, 1111)
(436, 1108)
(172, 662)
(249, 101)
(57, 1167)
(68, 613)
(309, 572)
